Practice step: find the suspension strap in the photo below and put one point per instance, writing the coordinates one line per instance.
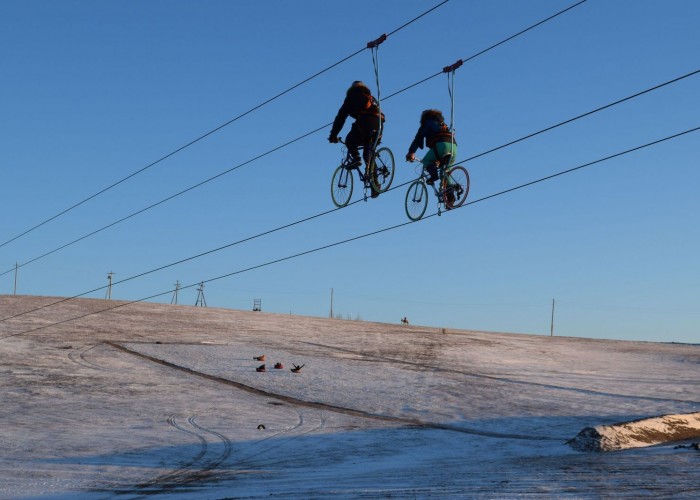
(373, 46)
(450, 70)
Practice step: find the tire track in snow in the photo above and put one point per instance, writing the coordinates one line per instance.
(78, 356)
(202, 466)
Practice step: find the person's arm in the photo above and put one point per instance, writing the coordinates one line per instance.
(339, 121)
(416, 145)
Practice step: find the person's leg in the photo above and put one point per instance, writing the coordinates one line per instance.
(368, 127)
(430, 165)
(448, 148)
(445, 148)
(353, 141)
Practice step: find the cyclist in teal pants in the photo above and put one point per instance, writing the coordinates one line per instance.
(437, 137)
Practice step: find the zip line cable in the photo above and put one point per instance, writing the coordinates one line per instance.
(563, 172)
(457, 64)
(362, 236)
(495, 45)
(529, 136)
(187, 259)
(153, 205)
(565, 122)
(207, 134)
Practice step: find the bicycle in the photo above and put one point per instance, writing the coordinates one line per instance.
(452, 192)
(378, 176)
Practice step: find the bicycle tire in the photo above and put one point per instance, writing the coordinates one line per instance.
(382, 170)
(416, 200)
(455, 182)
(342, 184)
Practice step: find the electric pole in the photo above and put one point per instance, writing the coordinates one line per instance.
(331, 316)
(108, 295)
(16, 268)
(551, 326)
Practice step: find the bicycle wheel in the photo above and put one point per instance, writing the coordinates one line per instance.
(341, 186)
(455, 185)
(416, 200)
(382, 169)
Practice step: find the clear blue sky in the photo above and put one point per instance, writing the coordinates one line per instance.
(94, 91)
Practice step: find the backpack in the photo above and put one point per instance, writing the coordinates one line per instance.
(440, 132)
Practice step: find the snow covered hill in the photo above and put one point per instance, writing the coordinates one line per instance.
(165, 401)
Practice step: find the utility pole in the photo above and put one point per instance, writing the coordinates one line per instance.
(551, 326)
(108, 295)
(331, 316)
(16, 268)
(177, 287)
(201, 301)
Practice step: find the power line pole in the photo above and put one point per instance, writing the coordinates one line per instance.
(16, 268)
(551, 326)
(177, 287)
(108, 295)
(331, 315)
(201, 301)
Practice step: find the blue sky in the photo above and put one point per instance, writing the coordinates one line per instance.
(95, 91)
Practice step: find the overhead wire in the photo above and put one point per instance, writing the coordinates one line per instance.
(366, 235)
(209, 133)
(481, 52)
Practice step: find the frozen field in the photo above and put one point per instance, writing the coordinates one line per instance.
(151, 401)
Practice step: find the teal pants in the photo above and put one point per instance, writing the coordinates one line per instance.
(443, 148)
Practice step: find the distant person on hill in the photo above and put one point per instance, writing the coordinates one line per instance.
(360, 105)
(436, 135)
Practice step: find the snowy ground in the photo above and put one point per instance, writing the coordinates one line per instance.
(151, 401)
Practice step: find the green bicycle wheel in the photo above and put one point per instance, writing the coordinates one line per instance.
(341, 186)
(416, 200)
(382, 171)
(455, 186)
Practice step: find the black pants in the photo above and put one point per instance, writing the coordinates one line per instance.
(362, 133)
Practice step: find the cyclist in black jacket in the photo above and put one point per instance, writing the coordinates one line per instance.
(360, 105)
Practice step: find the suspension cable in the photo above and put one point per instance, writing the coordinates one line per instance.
(362, 236)
(450, 70)
(373, 46)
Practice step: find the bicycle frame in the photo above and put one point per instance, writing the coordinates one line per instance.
(377, 175)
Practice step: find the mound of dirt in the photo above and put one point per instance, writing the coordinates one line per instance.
(638, 433)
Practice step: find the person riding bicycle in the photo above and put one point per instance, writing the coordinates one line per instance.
(360, 105)
(438, 138)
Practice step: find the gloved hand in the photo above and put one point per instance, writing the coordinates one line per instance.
(410, 157)
(333, 139)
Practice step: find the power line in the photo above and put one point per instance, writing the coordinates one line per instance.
(289, 142)
(523, 138)
(216, 129)
(362, 236)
